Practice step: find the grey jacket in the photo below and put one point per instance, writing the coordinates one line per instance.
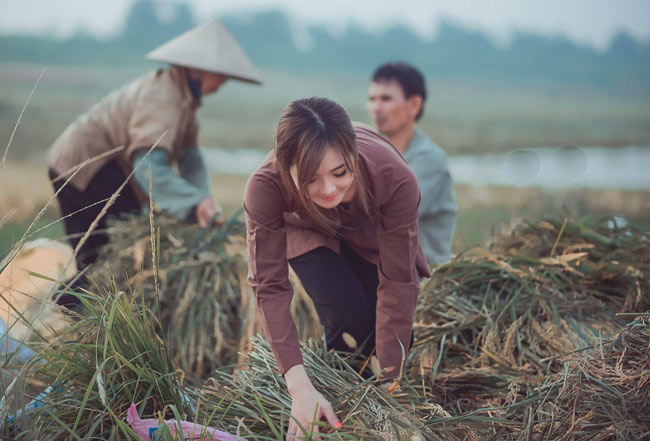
(438, 209)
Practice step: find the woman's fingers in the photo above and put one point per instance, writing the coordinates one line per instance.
(299, 430)
(324, 411)
(308, 408)
(295, 433)
(329, 415)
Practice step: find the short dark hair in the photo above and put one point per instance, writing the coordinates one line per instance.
(408, 77)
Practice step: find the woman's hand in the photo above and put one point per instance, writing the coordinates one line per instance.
(308, 405)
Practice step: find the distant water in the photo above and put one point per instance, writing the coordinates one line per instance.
(241, 161)
(624, 168)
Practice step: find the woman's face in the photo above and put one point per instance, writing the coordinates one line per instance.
(332, 183)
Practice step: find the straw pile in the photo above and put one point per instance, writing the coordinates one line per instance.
(197, 285)
(511, 343)
(603, 394)
(113, 356)
(601, 256)
(260, 404)
(492, 324)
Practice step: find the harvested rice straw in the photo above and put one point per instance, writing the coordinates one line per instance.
(113, 356)
(602, 394)
(514, 309)
(205, 304)
(593, 254)
(491, 325)
(260, 404)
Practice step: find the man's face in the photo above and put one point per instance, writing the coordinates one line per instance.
(390, 110)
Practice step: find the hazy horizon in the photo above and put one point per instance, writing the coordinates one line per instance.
(592, 23)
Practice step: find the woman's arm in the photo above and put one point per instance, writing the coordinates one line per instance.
(268, 270)
(265, 205)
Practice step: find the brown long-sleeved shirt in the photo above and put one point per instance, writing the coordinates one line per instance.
(278, 232)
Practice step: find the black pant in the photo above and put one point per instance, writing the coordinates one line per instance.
(344, 290)
(102, 186)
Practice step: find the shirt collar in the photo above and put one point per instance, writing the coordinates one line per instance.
(195, 86)
(182, 78)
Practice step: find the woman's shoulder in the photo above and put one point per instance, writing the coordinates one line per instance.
(373, 146)
(385, 170)
(264, 189)
(368, 135)
(267, 172)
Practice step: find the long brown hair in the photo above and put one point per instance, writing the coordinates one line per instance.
(307, 129)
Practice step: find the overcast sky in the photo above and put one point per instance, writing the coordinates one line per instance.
(592, 22)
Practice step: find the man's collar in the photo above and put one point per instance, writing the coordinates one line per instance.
(182, 78)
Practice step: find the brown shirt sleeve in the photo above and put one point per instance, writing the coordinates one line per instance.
(268, 274)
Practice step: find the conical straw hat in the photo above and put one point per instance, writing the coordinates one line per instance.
(208, 47)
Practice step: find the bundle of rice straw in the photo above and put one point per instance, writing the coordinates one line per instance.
(260, 405)
(603, 256)
(602, 394)
(492, 322)
(196, 282)
(493, 330)
(113, 356)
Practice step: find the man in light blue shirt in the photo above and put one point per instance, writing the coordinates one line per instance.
(395, 102)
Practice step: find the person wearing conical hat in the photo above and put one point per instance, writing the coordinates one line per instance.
(112, 142)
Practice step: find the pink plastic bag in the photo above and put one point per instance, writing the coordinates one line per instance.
(147, 428)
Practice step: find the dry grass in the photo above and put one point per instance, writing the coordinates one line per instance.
(197, 284)
(489, 360)
(491, 325)
(603, 394)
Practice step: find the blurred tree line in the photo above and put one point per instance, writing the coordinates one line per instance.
(456, 53)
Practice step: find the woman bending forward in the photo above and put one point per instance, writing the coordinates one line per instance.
(336, 201)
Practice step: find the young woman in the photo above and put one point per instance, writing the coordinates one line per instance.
(336, 201)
